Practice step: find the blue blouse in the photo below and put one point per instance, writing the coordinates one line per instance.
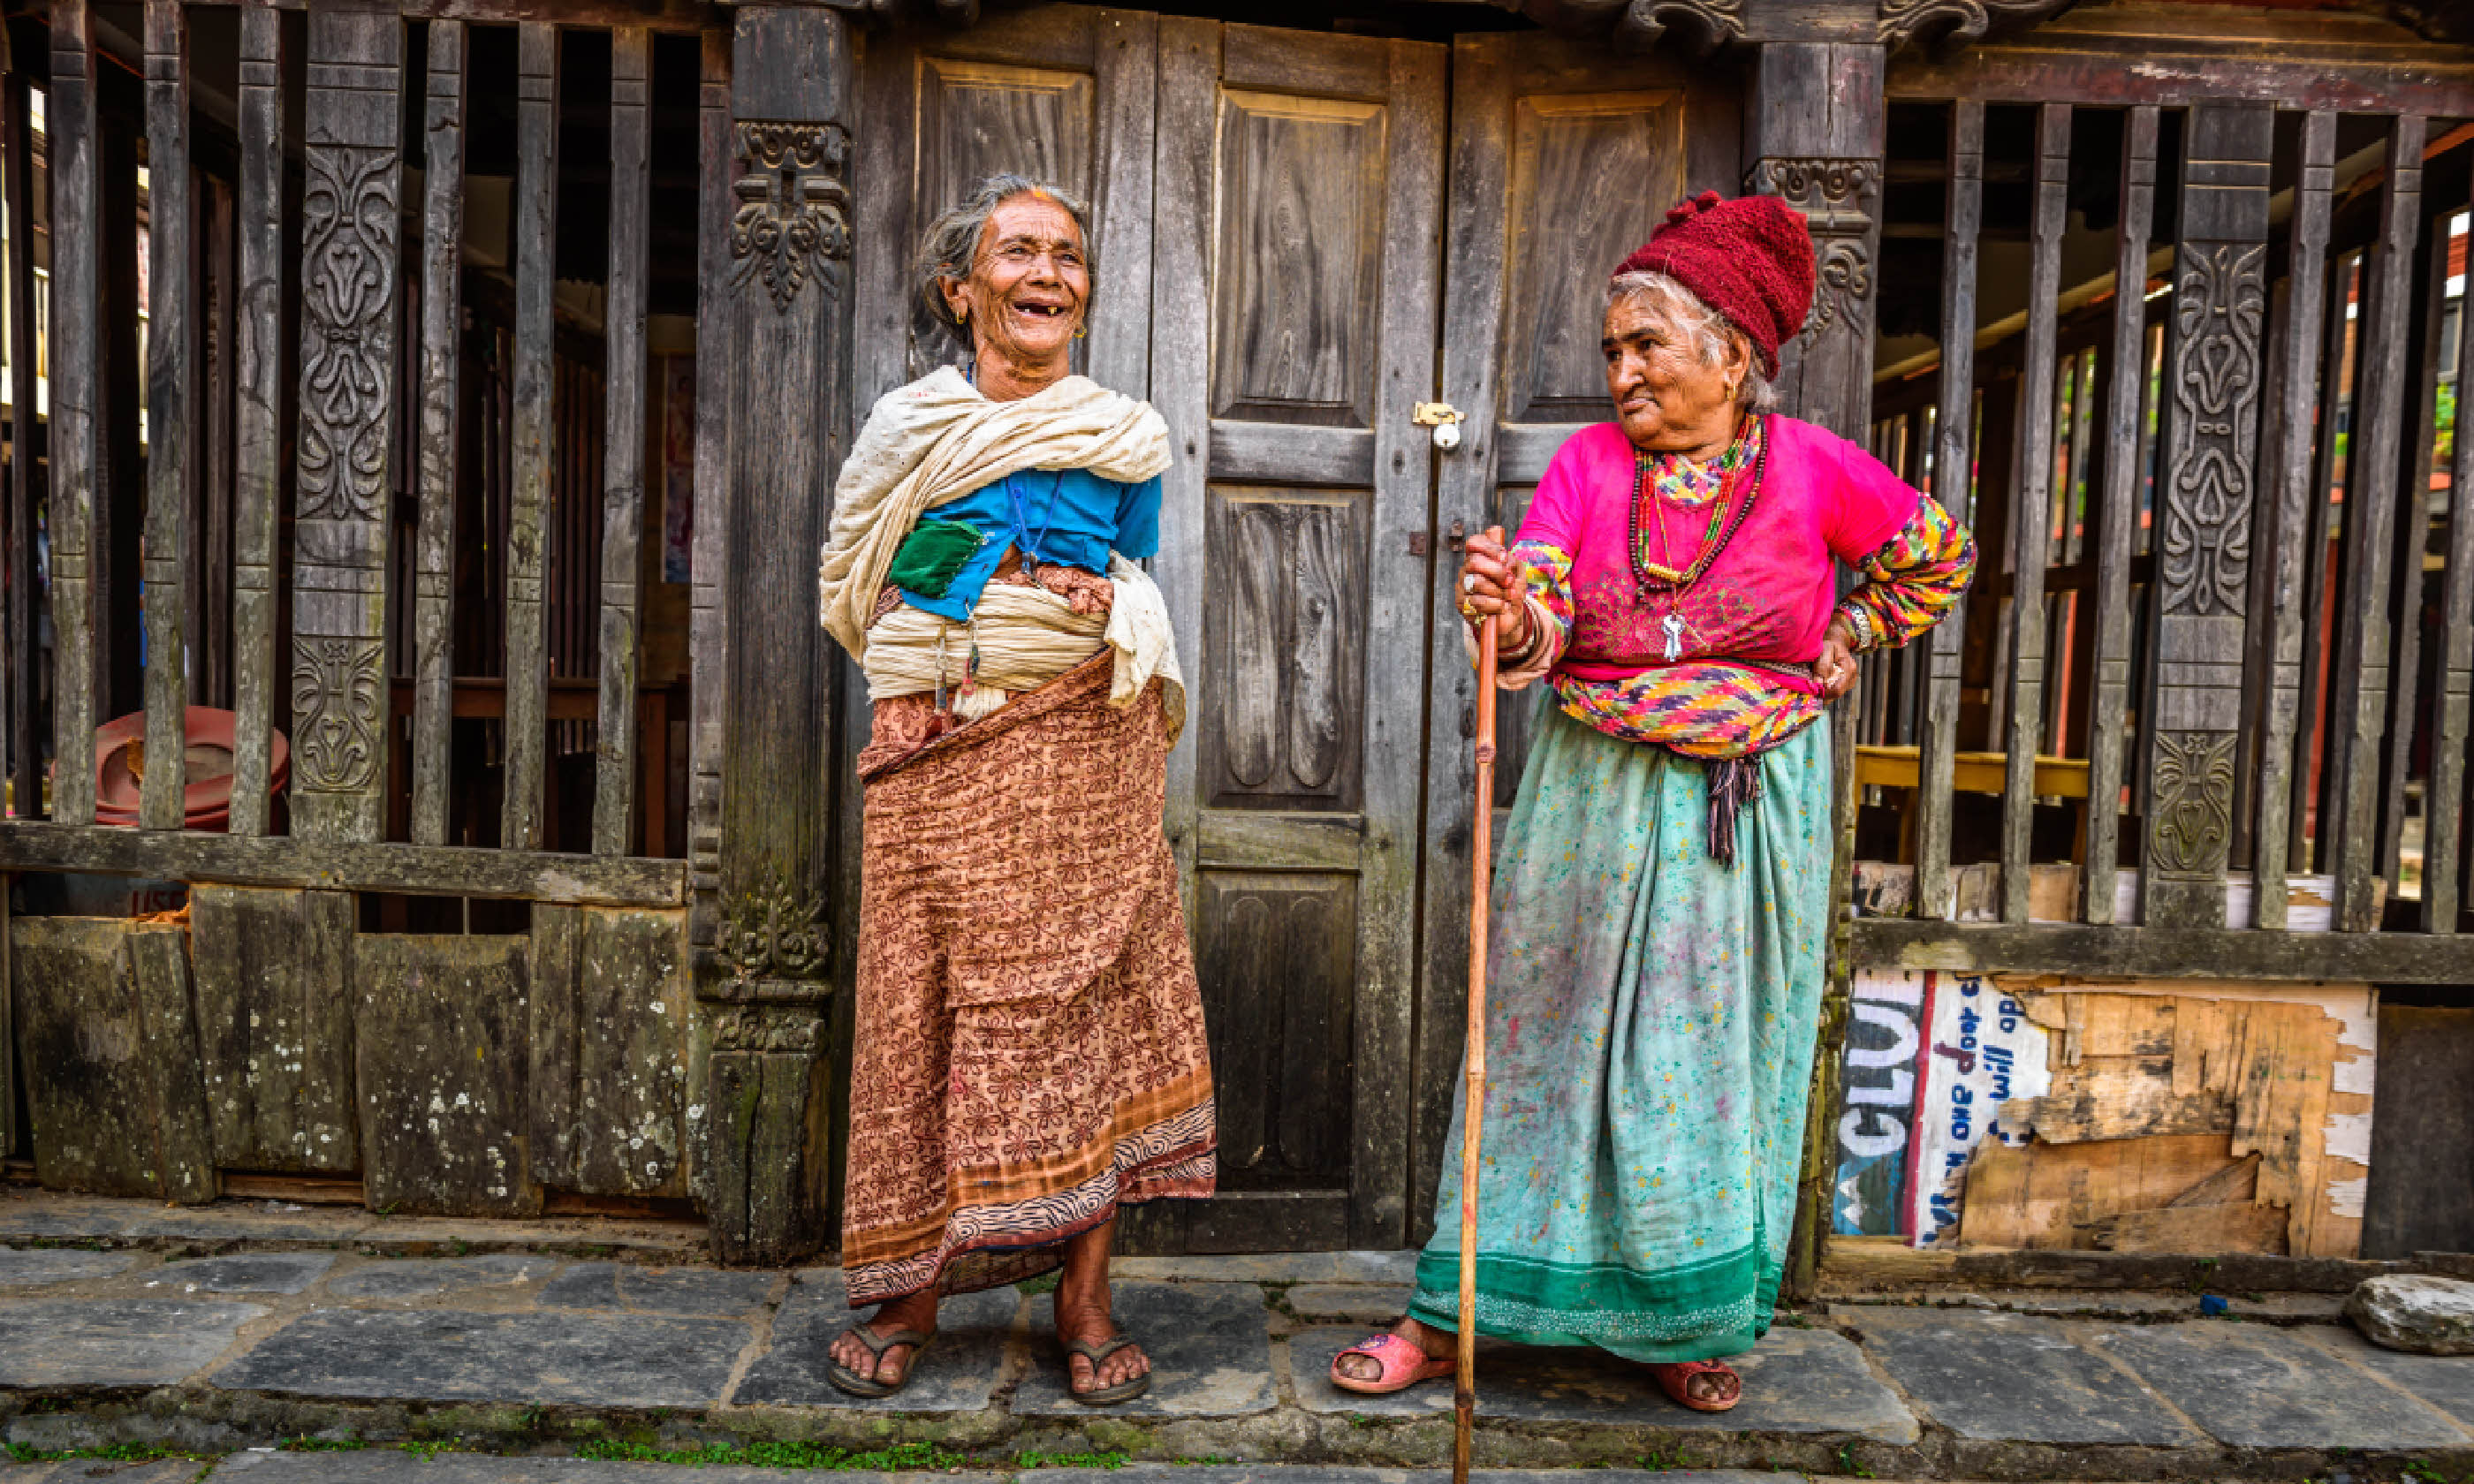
(1059, 517)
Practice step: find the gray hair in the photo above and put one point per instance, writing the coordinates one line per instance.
(1709, 330)
(953, 240)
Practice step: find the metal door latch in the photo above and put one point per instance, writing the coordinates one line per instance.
(1444, 418)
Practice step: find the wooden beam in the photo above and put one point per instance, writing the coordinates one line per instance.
(2205, 493)
(2383, 958)
(25, 761)
(352, 866)
(441, 337)
(529, 522)
(171, 381)
(708, 619)
(76, 394)
(258, 369)
(2031, 510)
(2362, 673)
(1954, 486)
(2126, 386)
(622, 446)
(2297, 532)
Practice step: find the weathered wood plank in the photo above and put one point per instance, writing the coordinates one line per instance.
(2126, 386)
(350, 220)
(623, 446)
(2031, 494)
(167, 1027)
(2362, 673)
(553, 1099)
(633, 1008)
(439, 1058)
(1953, 435)
(442, 333)
(2444, 823)
(273, 970)
(2383, 958)
(530, 522)
(171, 382)
(75, 395)
(25, 761)
(2315, 785)
(663, 15)
(1126, 68)
(769, 1117)
(2299, 497)
(708, 618)
(2204, 499)
(414, 870)
(2421, 1188)
(259, 376)
(2413, 537)
(111, 1080)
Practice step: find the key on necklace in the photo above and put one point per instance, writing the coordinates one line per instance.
(1674, 627)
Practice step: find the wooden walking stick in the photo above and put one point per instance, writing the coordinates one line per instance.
(1473, 1056)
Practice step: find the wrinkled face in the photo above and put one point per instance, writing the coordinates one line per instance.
(1028, 284)
(1666, 395)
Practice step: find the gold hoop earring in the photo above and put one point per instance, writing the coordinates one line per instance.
(1082, 331)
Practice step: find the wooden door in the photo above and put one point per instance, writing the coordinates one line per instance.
(1267, 273)
(1298, 196)
(1563, 160)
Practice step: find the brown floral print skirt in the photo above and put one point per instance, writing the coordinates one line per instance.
(1030, 1051)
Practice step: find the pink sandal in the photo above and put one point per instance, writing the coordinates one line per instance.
(1404, 1365)
(1676, 1380)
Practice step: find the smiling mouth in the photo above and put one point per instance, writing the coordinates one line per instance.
(1043, 311)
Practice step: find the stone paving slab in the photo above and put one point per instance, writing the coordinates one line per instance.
(86, 1471)
(1311, 1473)
(1209, 1343)
(2445, 1381)
(644, 1290)
(264, 1272)
(1795, 1380)
(113, 1342)
(2016, 1377)
(447, 1355)
(1380, 1305)
(2253, 1386)
(960, 1372)
(391, 1465)
(416, 1278)
(25, 1266)
(1278, 1267)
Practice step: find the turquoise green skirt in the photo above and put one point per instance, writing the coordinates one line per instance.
(1650, 1023)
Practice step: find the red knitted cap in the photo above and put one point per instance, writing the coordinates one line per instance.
(1750, 259)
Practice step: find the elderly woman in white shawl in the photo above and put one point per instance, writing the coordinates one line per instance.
(1029, 1052)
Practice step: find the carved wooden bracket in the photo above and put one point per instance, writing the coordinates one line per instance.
(1947, 22)
(793, 219)
(772, 932)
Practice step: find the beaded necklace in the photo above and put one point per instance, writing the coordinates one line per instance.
(1723, 486)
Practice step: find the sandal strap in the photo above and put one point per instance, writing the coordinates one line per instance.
(1373, 1348)
(877, 1346)
(1096, 1354)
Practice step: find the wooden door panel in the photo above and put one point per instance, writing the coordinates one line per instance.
(1300, 247)
(976, 118)
(273, 974)
(1591, 172)
(441, 1046)
(1284, 643)
(1563, 160)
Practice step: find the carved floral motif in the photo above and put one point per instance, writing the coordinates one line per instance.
(2195, 802)
(338, 704)
(764, 1028)
(792, 222)
(2220, 301)
(1932, 22)
(1837, 197)
(349, 226)
(772, 932)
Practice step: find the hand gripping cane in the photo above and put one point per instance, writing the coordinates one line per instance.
(1473, 1054)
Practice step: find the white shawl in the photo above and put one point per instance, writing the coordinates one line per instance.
(937, 439)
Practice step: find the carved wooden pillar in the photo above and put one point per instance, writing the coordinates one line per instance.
(350, 240)
(2213, 385)
(1815, 133)
(792, 102)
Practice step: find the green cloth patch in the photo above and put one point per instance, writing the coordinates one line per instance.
(933, 555)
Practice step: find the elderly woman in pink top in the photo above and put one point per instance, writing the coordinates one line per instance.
(1661, 903)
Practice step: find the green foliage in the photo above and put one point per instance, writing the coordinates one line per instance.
(352, 1445)
(1111, 1459)
(113, 1452)
(900, 1458)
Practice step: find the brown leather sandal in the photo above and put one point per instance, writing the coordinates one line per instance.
(846, 1379)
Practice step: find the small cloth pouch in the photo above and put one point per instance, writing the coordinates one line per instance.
(933, 555)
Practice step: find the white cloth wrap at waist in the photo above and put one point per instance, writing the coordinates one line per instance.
(1028, 637)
